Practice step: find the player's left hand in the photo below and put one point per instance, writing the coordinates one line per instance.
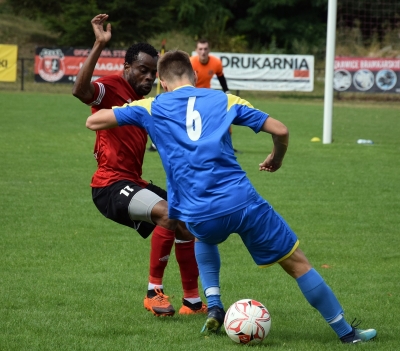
(98, 28)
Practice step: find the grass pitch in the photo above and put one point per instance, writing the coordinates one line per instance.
(72, 280)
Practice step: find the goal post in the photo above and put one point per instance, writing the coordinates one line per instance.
(329, 71)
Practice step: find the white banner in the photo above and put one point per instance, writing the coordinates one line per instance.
(266, 72)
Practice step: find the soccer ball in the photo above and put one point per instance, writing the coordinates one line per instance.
(247, 322)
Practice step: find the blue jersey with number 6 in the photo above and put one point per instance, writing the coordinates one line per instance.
(190, 127)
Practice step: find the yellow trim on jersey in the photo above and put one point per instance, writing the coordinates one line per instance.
(145, 103)
(295, 246)
(236, 100)
(183, 86)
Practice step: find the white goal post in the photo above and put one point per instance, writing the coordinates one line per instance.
(329, 71)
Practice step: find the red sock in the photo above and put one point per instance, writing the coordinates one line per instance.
(184, 252)
(162, 241)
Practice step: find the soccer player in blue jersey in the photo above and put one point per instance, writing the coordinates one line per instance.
(209, 191)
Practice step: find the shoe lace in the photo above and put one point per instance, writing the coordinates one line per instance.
(355, 323)
(160, 296)
(203, 307)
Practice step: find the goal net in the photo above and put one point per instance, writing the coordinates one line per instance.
(368, 46)
(369, 28)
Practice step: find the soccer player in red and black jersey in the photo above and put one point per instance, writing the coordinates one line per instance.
(118, 190)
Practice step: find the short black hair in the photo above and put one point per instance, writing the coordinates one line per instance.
(133, 52)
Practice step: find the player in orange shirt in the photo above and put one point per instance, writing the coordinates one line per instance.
(205, 66)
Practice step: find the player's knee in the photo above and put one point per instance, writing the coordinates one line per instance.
(142, 204)
(159, 215)
(296, 264)
(182, 233)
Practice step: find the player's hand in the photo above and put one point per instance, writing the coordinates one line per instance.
(269, 165)
(228, 92)
(102, 35)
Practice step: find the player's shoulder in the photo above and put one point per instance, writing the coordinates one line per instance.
(213, 58)
(113, 83)
(234, 100)
(113, 78)
(212, 97)
(142, 103)
(194, 60)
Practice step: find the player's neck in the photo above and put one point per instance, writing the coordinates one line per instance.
(178, 83)
(205, 61)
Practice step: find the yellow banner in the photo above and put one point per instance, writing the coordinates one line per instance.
(8, 63)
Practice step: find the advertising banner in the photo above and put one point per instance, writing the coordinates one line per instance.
(266, 72)
(365, 74)
(8, 63)
(61, 65)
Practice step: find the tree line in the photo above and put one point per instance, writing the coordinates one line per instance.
(279, 26)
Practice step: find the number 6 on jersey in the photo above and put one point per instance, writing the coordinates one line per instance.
(193, 120)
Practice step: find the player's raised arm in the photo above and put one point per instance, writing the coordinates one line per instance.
(83, 88)
(103, 119)
(280, 137)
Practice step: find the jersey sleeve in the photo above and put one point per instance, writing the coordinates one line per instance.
(193, 62)
(218, 67)
(135, 113)
(99, 92)
(246, 114)
(105, 92)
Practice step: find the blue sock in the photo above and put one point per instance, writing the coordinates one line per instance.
(341, 327)
(208, 260)
(321, 297)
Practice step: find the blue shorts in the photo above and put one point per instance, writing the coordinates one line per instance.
(264, 232)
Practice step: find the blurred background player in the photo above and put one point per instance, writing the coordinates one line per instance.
(118, 190)
(211, 192)
(205, 66)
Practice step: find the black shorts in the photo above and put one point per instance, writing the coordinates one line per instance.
(113, 201)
